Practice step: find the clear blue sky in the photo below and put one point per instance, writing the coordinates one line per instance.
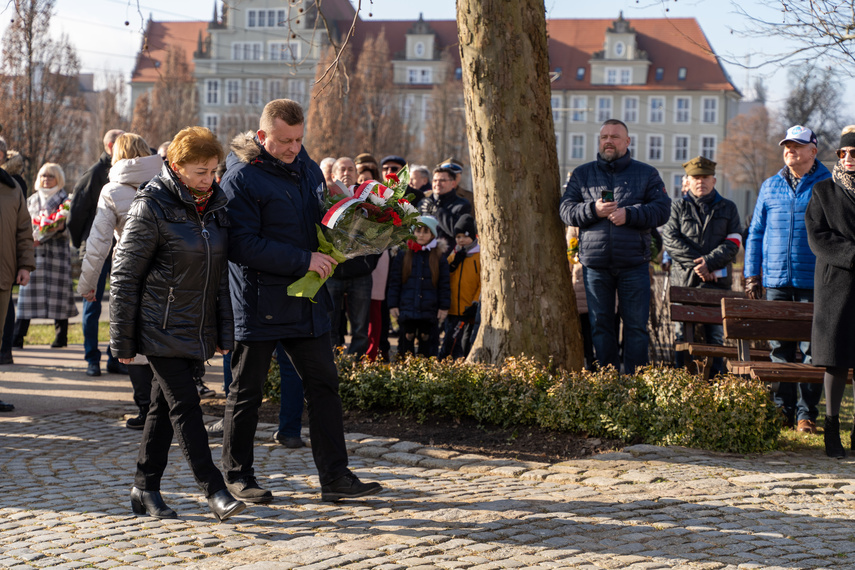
(106, 45)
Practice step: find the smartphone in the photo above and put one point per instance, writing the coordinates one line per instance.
(608, 196)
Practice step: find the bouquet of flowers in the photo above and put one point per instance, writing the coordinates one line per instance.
(48, 224)
(365, 219)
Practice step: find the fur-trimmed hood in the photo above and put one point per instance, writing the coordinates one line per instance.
(14, 163)
(246, 147)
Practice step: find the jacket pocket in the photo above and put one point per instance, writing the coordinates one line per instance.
(275, 306)
(169, 299)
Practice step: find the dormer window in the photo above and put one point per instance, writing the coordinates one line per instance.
(681, 74)
(419, 49)
(660, 73)
(580, 74)
(620, 49)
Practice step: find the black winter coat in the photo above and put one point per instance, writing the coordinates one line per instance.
(689, 234)
(447, 209)
(831, 235)
(169, 285)
(417, 298)
(84, 201)
(638, 188)
(274, 208)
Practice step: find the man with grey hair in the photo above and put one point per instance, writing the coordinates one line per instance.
(419, 182)
(16, 244)
(81, 214)
(327, 167)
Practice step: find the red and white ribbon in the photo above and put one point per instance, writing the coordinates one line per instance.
(360, 194)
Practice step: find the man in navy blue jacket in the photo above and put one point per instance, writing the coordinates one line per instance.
(276, 194)
(616, 201)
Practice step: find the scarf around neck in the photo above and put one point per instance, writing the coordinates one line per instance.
(844, 178)
(417, 247)
(46, 194)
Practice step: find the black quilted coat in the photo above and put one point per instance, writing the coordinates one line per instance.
(169, 285)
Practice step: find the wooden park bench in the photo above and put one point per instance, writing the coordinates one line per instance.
(746, 320)
(691, 306)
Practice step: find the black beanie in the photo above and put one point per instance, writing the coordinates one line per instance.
(466, 225)
(847, 139)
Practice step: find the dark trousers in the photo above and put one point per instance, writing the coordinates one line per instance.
(456, 342)
(8, 329)
(141, 376)
(175, 409)
(290, 396)
(313, 360)
(91, 316)
(22, 326)
(427, 333)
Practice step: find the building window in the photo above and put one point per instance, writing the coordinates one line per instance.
(619, 76)
(611, 76)
(579, 106)
(555, 100)
(630, 109)
(681, 74)
(212, 91)
(710, 110)
(660, 73)
(250, 19)
(407, 104)
(625, 76)
(246, 51)
(253, 91)
(281, 51)
(657, 110)
(681, 148)
(632, 148)
(419, 49)
(280, 18)
(708, 147)
(682, 112)
(577, 147)
(274, 89)
(580, 74)
(212, 122)
(419, 75)
(619, 47)
(604, 109)
(677, 190)
(654, 147)
(232, 91)
(297, 90)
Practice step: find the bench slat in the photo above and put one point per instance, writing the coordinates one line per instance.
(697, 296)
(750, 309)
(695, 314)
(718, 351)
(757, 329)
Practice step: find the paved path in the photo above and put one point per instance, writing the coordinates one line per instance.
(64, 503)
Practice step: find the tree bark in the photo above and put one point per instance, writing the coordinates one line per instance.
(528, 306)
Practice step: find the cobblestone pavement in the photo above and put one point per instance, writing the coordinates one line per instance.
(65, 481)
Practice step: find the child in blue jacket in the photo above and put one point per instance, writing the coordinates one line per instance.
(419, 292)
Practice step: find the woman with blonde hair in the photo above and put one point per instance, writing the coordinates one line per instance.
(133, 166)
(170, 301)
(49, 295)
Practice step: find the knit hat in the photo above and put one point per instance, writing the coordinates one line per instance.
(466, 226)
(430, 222)
(363, 158)
(847, 139)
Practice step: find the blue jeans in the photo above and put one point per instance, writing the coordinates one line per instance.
(91, 315)
(290, 395)
(632, 286)
(713, 334)
(799, 401)
(358, 290)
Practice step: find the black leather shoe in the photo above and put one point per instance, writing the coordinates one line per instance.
(137, 422)
(247, 489)
(150, 502)
(223, 505)
(93, 369)
(59, 343)
(6, 407)
(6, 358)
(348, 487)
(116, 367)
(289, 442)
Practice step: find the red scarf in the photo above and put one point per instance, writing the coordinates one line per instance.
(414, 245)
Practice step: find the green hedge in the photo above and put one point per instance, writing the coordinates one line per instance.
(659, 406)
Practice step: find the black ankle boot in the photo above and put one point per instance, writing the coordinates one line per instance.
(833, 445)
(224, 505)
(150, 502)
(61, 339)
(139, 421)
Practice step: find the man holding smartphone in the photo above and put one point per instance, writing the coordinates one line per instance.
(616, 201)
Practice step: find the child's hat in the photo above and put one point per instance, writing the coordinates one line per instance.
(430, 222)
(466, 226)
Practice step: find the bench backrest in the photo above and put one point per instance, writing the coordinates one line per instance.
(694, 305)
(747, 319)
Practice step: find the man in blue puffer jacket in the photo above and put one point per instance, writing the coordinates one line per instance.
(777, 240)
(616, 201)
(276, 195)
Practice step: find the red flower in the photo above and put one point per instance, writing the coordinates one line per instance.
(393, 177)
(403, 201)
(396, 219)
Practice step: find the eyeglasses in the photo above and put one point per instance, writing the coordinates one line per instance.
(391, 168)
(437, 180)
(841, 153)
(48, 176)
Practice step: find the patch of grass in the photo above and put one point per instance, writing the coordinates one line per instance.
(44, 334)
(791, 440)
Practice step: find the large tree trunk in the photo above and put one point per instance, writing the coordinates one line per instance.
(528, 306)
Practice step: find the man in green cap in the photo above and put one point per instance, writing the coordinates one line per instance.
(702, 236)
